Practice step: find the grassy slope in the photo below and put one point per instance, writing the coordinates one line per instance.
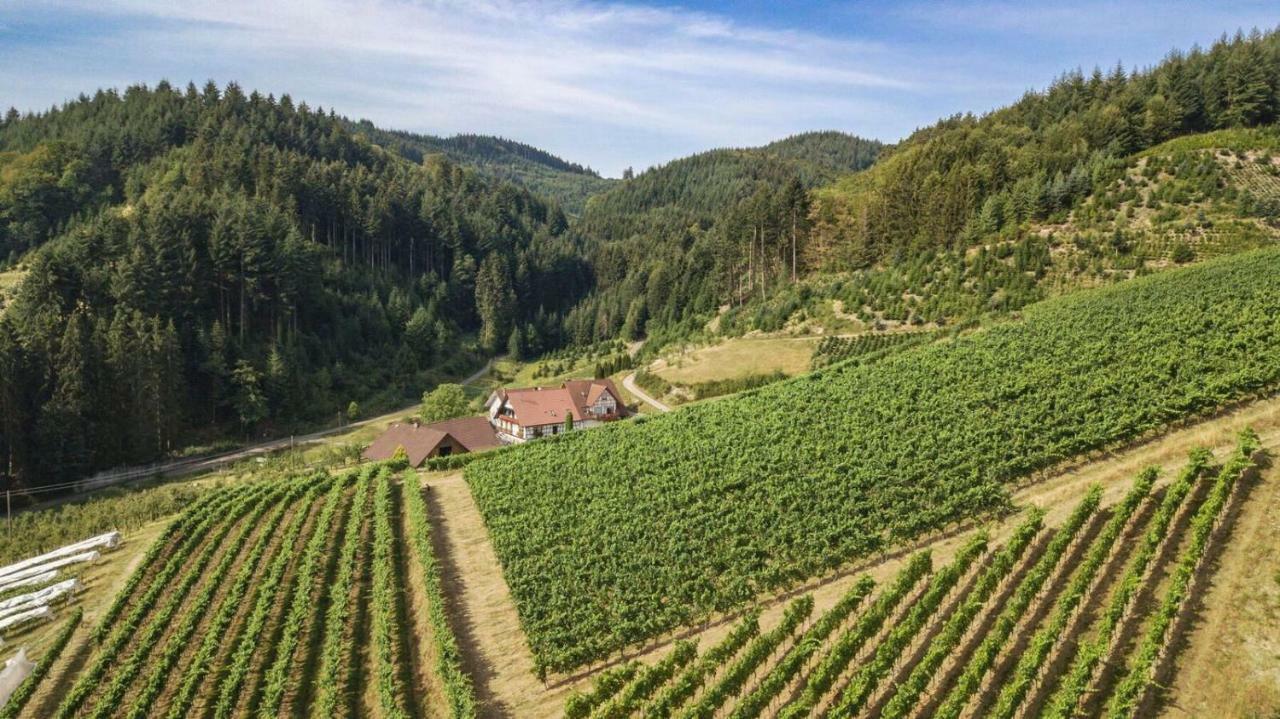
(738, 357)
(772, 487)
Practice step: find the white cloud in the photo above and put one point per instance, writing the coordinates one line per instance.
(541, 71)
(609, 83)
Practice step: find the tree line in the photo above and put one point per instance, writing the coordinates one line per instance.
(202, 261)
(670, 245)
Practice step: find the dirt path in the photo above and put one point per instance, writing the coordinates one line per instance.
(211, 463)
(61, 676)
(1231, 666)
(484, 614)
(417, 625)
(630, 383)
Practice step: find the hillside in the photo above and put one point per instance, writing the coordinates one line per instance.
(772, 487)
(198, 263)
(544, 174)
(973, 216)
(677, 240)
(980, 424)
(957, 183)
(1188, 199)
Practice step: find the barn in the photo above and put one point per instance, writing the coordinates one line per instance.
(438, 439)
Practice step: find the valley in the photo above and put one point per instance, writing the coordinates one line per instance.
(977, 423)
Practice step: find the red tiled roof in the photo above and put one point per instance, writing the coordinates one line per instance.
(419, 441)
(534, 406)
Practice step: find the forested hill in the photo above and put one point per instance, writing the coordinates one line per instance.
(202, 261)
(567, 183)
(672, 243)
(1061, 188)
(966, 179)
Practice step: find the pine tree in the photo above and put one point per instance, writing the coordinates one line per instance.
(495, 301)
(515, 344)
(249, 401)
(1249, 96)
(277, 383)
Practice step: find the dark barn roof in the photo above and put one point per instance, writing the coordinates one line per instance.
(421, 440)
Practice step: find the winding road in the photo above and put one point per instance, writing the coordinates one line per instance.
(630, 383)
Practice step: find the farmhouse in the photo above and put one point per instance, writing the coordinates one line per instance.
(518, 415)
(438, 439)
(512, 415)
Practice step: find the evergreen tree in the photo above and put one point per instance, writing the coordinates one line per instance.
(515, 344)
(249, 401)
(495, 301)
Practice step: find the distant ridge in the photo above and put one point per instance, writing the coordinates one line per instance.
(553, 177)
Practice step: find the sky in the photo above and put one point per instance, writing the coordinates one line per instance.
(616, 84)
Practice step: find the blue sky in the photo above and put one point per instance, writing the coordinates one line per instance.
(608, 84)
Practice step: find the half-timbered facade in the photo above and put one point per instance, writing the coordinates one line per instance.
(518, 415)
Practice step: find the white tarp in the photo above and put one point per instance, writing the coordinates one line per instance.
(42, 578)
(15, 671)
(7, 581)
(48, 595)
(110, 540)
(30, 615)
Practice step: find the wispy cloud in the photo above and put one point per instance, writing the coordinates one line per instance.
(611, 83)
(516, 68)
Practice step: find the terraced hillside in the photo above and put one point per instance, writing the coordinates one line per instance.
(283, 597)
(611, 537)
(1078, 618)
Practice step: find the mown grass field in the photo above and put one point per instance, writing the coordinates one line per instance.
(738, 357)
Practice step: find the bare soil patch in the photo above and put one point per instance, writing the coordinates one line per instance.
(1230, 666)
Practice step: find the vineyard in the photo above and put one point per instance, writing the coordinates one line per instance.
(281, 597)
(611, 537)
(866, 347)
(1078, 619)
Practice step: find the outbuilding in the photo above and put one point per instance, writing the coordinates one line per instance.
(438, 439)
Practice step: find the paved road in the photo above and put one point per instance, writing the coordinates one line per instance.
(277, 444)
(630, 383)
(184, 467)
